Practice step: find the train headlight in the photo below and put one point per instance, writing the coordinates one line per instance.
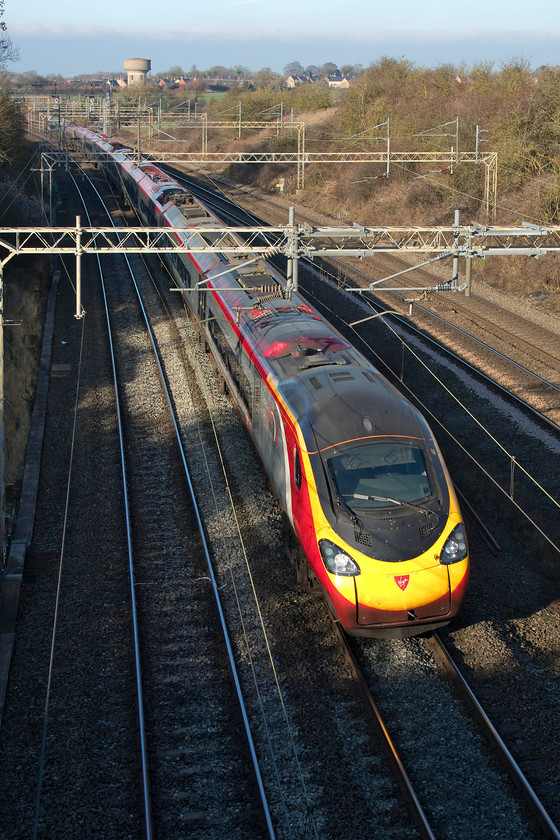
(336, 561)
(455, 548)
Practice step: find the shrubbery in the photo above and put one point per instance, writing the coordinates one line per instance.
(516, 109)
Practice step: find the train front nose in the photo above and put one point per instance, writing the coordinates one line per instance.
(424, 594)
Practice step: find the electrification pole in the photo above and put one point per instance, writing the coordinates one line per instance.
(2, 402)
(456, 224)
(293, 264)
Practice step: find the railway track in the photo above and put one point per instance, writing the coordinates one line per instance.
(190, 709)
(418, 695)
(515, 600)
(543, 821)
(178, 643)
(199, 775)
(298, 825)
(382, 674)
(325, 773)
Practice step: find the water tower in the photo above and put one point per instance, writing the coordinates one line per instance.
(137, 69)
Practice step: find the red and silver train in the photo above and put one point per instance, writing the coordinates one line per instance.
(373, 513)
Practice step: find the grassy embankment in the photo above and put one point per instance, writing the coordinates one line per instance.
(517, 110)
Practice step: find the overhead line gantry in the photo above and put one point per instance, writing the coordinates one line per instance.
(110, 115)
(292, 241)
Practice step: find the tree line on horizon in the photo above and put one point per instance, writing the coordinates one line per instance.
(517, 109)
(30, 79)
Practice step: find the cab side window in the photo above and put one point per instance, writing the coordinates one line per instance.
(297, 469)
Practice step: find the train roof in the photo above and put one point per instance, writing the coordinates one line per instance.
(338, 404)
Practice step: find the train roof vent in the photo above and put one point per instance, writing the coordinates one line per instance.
(194, 211)
(154, 173)
(256, 284)
(315, 382)
(341, 375)
(368, 375)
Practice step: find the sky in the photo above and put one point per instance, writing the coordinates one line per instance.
(66, 37)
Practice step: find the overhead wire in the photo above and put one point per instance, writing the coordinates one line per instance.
(425, 409)
(10, 191)
(472, 197)
(42, 751)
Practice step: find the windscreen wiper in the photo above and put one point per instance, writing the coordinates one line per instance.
(354, 518)
(413, 505)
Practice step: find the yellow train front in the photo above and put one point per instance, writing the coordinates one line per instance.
(373, 505)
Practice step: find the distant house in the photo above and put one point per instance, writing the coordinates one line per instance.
(294, 81)
(337, 81)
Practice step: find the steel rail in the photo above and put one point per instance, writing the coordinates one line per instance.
(413, 803)
(545, 823)
(145, 781)
(200, 524)
(543, 355)
(476, 371)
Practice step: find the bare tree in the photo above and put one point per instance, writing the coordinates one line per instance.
(11, 127)
(11, 118)
(7, 50)
(293, 68)
(175, 72)
(329, 69)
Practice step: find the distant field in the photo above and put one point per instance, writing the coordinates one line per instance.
(214, 96)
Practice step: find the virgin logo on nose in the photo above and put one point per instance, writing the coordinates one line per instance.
(402, 581)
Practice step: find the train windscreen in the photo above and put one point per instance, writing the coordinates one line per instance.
(379, 475)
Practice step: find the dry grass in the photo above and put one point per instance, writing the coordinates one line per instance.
(355, 193)
(410, 196)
